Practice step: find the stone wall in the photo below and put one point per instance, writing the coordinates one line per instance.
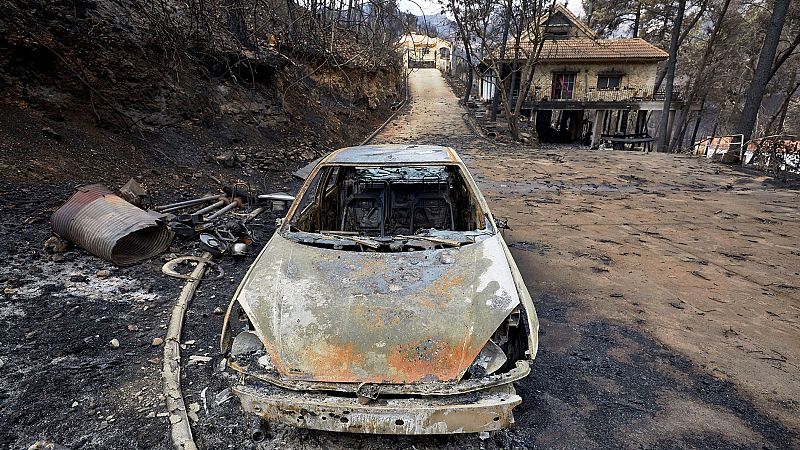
(639, 76)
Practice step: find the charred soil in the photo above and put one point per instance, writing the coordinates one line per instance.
(87, 98)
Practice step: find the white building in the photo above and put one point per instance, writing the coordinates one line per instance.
(421, 51)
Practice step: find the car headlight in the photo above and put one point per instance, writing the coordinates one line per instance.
(490, 359)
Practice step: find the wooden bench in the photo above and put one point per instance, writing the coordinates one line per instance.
(619, 141)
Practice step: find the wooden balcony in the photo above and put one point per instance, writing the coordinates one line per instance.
(627, 97)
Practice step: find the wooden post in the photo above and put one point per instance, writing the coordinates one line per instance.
(641, 122)
(597, 128)
(668, 132)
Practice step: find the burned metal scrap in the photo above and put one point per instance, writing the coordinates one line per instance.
(110, 227)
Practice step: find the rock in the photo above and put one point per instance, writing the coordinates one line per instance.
(133, 327)
(194, 408)
(46, 445)
(134, 193)
(9, 291)
(198, 359)
(51, 133)
(55, 244)
(169, 256)
(114, 343)
(227, 158)
(77, 278)
(157, 341)
(218, 311)
(74, 404)
(58, 258)
(103, 273)
(241, 158)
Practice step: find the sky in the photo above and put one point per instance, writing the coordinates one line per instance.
(430, 7)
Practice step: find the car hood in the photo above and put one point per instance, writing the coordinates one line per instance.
(400, 317)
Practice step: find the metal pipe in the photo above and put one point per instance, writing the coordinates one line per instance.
(129, 236)
(258, 432)
(210, 207)
(183, 204)
(254, 214)
(222, 211)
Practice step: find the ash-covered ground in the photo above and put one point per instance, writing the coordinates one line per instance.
(665, 285)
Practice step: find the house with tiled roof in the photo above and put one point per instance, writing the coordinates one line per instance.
(584, 88)
(422, 51)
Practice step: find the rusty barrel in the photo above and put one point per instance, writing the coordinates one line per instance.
(109, 227)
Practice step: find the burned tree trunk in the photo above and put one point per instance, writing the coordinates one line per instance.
(758, 86)
(663, 126)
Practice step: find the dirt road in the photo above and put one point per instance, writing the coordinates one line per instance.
(667, 287)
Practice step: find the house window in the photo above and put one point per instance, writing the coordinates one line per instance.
(563, 86)
(444, 53)
(556, 32)
(609, 81)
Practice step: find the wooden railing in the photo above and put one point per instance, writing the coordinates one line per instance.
(592, 94)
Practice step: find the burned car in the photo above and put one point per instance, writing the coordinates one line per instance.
(385, 302)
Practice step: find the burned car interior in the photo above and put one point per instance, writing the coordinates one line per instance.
(381, 202)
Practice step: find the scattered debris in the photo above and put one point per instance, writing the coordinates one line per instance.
(55, 244)
(51, 133)
(534, 246)
(198, 359)
(135, 194)
(203, 398)
(169, 267)
(192, 412)
(47, 445)
(114, 343)
(678, 304)
(700, 275)
(223, 396)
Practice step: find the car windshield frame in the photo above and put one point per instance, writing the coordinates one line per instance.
(489, 225)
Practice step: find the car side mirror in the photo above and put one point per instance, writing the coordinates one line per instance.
(280, 200)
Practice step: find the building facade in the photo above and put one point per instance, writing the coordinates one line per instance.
(421, 51)
(584, 88)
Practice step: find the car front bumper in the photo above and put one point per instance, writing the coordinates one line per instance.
(474, 412)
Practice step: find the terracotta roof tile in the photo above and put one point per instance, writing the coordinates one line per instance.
(582, 49)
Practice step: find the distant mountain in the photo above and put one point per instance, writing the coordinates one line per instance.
(439, 24)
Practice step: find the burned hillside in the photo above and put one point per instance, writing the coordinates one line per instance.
(176, 78)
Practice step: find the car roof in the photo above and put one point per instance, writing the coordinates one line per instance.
(393, 154)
